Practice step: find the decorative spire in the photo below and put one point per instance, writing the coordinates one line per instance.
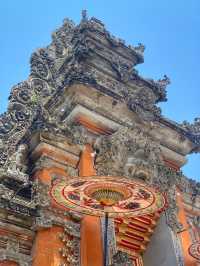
(164, 81)
(84, 15)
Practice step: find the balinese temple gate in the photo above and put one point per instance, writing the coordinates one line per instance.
(89, 167)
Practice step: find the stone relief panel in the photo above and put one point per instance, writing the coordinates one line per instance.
(132, 153)
(12, 252)
(121, 259)
(128, 152)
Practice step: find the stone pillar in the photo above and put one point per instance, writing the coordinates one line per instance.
(91, 239)
(47, 245)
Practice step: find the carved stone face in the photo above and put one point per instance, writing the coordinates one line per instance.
(140, 171)
(130, 152)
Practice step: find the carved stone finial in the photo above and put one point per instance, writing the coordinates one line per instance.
(164, 81)
(84, 15)
(68, 23)
(140, 48)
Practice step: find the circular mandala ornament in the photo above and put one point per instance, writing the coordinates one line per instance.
(116, 196)
(194, 251)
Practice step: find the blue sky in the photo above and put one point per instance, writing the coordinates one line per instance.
(170, 30)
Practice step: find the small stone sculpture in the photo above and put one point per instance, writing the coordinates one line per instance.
(17, 163)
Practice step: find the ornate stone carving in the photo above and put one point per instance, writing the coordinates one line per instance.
(195, 127)
(72, 229)
(10, 200)
(172, 211)
(23, 107)
(167, 181)
(196, 221)
(131, 152)
(11, 252)
(143, 103)
(122, 69)
(62, 39)
(140, 48)
(46, 218)
(6, 193)
(17, 164)
(194, 251)
(65, 61)
(162, 83)
(71, 251)
(127, 152)
(40, 194)
(190, 187)
(178, 249)
(193, 130)
(71, 239)
(43, 220)
(121, 259)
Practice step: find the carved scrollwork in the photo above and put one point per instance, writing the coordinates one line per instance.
(72, 229)
(62, 38)
(38, 67)
(196, 221)
(131, 152)
(162, 83)
(41, 87)
(43, 220)
(193, 130)
(159, 87)
(140, 48)
(40, 192)
(194, 251)
(6, 125)
(143, 103)
(123, 70)
(127, 152)
(71, 250)
(12, 253)
(20, 93)
(121, 259)
(15, 122)
(5, 192)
